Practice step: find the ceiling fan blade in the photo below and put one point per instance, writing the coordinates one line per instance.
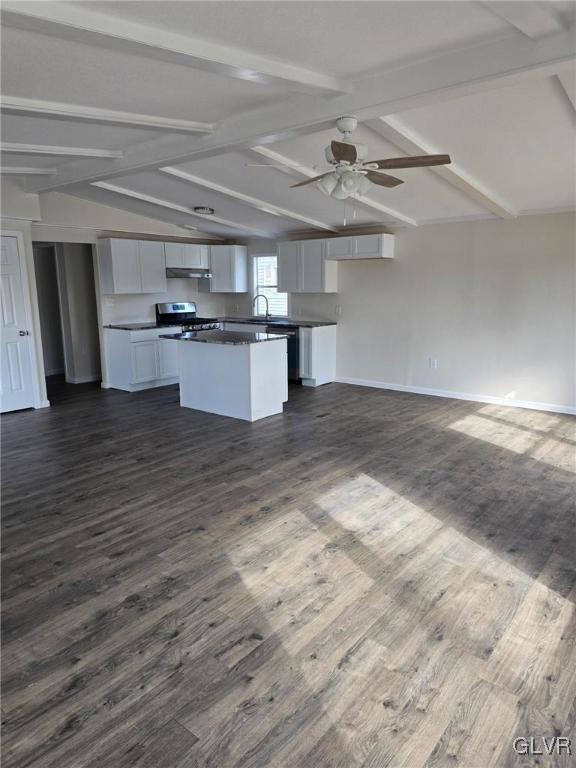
(310, 181)
(383, 179)
(417, 161)
(343, 151)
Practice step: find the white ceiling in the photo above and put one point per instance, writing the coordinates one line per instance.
(492, 87)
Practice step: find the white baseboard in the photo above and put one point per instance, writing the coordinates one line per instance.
(54, 372)
(536, 406)
(82, 379)
(43, 404)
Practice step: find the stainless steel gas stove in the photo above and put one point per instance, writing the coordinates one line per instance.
(184, 313)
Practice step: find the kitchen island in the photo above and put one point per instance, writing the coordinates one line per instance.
(242, 375)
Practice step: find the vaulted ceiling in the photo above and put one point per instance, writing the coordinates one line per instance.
(157, 107)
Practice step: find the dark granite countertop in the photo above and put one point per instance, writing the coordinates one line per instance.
(143, 326)
(223, 337)
(278, 321)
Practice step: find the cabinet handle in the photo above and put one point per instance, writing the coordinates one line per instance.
(24, 333)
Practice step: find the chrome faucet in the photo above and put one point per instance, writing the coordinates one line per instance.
(267, 316)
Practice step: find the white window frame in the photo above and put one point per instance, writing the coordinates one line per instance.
(254, 284)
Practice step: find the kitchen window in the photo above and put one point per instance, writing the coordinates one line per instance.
(266, 283)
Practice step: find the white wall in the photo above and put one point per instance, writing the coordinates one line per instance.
(492, 301)
(49, 309)
(78, 310)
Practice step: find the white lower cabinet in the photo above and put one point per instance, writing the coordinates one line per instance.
(317, 355)
(144, 361)
(136, 360)
(167, 358)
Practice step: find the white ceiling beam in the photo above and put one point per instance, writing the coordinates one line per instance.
(294, 167)
(24, 171)
(449, 75)
(393, 130)
(15, 105)
(73, 22)
(176, 207)
(533, 19)
(260, 205)
(45, 149)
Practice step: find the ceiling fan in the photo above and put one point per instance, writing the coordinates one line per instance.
(352, 173)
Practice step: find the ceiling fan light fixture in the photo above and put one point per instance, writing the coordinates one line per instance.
(364, 186)
(328, 183)
(340, 193)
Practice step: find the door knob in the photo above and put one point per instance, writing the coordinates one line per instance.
(24, 333)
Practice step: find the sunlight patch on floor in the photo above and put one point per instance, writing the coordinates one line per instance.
(540, 442)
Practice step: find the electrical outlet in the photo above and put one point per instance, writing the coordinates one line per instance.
(433, 363)
(338, 310)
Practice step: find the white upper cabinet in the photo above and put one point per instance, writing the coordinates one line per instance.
(339, 248)
(131, 266)
(361, 247)
(152, 266)
(229, 268)
(289, 267)
(302, 268)
(187, 255)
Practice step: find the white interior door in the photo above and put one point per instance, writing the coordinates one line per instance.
(17, 388)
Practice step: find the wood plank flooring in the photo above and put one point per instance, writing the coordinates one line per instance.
(372, 579)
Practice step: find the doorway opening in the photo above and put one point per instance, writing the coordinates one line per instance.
(68, 317)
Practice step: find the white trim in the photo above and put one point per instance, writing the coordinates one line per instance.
(260, 205)
(81, 379)
(45, 149)
(394, 131)
(71, 21)
(24, 171)
(176, 207)
(43, 404)
(58, 111)
(537, 406)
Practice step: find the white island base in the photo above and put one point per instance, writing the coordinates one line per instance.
(246, 381)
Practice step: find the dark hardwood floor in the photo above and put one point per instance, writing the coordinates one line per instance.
(372, 579)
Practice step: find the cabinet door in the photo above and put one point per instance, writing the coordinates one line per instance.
(312, 276)
(221, 267)
(144, 361)
(152, 266)
(195, 256)
(125, 266)
(289, 267)
(367, 246)
(174, 254)
(168, 358)
(339, 248)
